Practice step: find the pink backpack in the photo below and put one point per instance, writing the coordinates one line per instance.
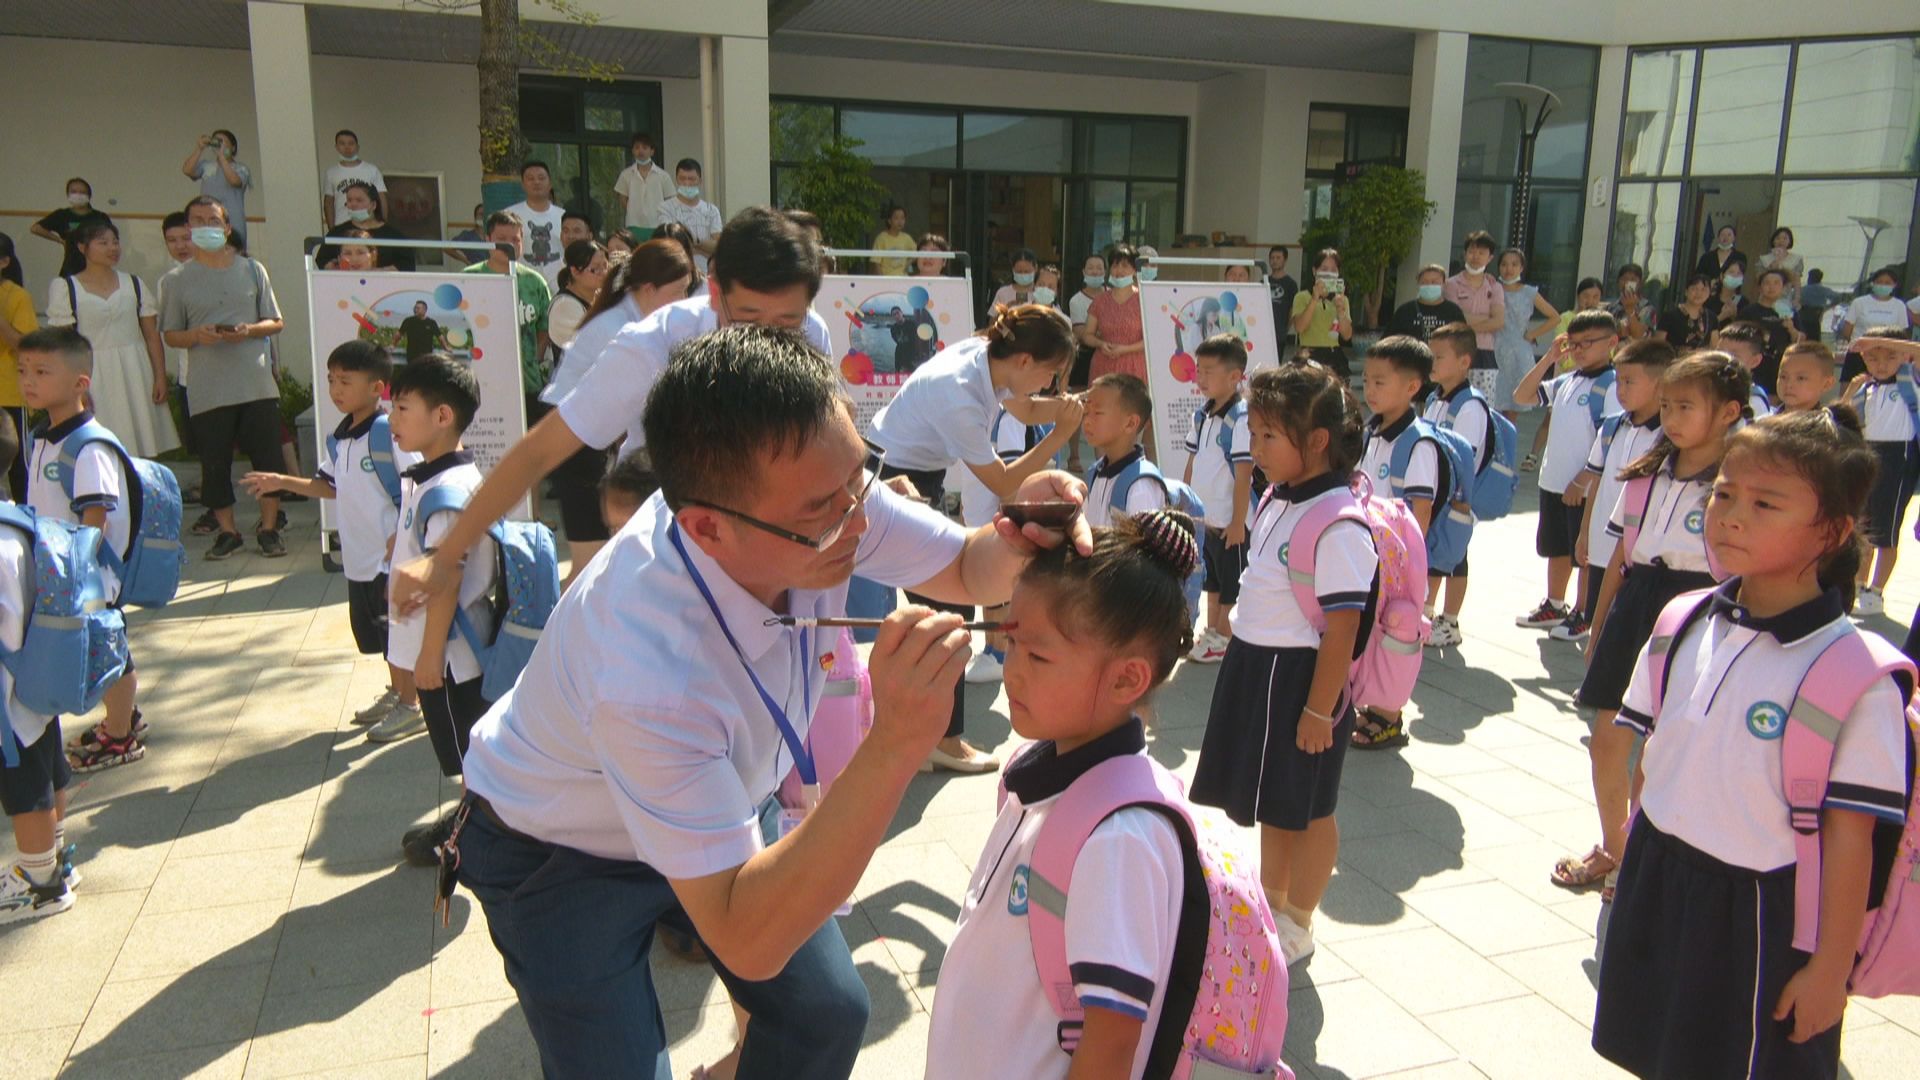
(1635, 498)
(844, 717)
(1225, 1010)
(1888, 959)
(1389, 662)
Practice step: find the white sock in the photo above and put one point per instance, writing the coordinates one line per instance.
(41, 868)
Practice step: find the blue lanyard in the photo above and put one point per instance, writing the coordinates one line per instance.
(802, 758)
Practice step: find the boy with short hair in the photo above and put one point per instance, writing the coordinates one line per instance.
(1888, 420)
(357, 376)
(1220, 470)
(1622, 439)
(1750, 344)
(1575, 403)
(434, 400)
(56, 370)
(33, 790)
(1806, 376)
(1430, 310)
(1457, 405)
(1118, 410)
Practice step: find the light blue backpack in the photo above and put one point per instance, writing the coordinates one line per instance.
(1180, 496)
(1495, 482)
(528, 568)
(75, 646)
(150, 574)
(1451, 526)
(379, 452)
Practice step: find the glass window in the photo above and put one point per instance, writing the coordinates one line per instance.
(547, 109)
(1848, 228)
(1645, 218)
(610, 111)
(1489, 123)
(1555, 230)
(799, 127)
(1156, 148)
(923, 140)
(1326, 139)
(1377, 137)
(1570, 71)
(1155, 214)
(1019, 143)
(1108, 199)
(1316, 201)
(1658, 112)
(1111, 147)
(1482, 205)
(1742, 93)
(1856, 107)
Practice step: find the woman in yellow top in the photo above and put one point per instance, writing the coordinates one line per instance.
(894, 237)
(1322, 317)
(16, 322)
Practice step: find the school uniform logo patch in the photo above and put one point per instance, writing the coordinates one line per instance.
(51, 471)
(1766, 720)
(1017, 895)
(1284, 548)
(408, 523)
(1383, 472)
(366, 464)
(1696, 521)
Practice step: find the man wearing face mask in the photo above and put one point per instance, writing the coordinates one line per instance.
(1148, 272)
(687, 208)
(642, 187)
(219, 306)
(1431, 310)
(349, 167)
(215, 163)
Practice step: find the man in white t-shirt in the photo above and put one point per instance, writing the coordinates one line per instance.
(541, 247)
(333, 187)
(687, 208)
(643, 186)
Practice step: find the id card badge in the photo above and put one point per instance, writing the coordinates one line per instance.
(790, 820)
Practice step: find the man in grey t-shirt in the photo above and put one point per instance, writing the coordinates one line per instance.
(220, 308)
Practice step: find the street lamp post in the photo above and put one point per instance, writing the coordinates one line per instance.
(1871, 228)
(1540, 103)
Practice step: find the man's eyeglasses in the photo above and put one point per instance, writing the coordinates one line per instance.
(870, 474)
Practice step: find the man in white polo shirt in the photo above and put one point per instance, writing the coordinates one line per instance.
(632, 769)
(766, 270)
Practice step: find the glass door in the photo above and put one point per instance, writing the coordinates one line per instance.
(1750, 206)
(1011, 213)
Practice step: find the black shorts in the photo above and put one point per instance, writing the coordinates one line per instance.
(29, 786)
(1249, 765)
(576, 484)
(450, 712)
(367, 614)
(1558, 526)
(1892, 489)
(1636, 606)
(1458, 571)
(1225, 563)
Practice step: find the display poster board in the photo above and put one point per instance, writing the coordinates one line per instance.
(476, 321)
(1177, 316)
(883, 327)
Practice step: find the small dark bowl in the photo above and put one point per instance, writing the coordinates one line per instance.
(1048, 515)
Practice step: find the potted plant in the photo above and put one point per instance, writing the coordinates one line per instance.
(1377, 218)
(837, 185)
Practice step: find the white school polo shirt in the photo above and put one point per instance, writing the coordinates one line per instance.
(1712, 762)
(1630, 443)
(588, 343)
(16, 579)
(1473, 424)
(992, 1017)
(635, 732)
(1423, 465)
(942, 415)
(1143, 496)
(1674, 528)
(406, 633)
(1571, 435)
(1212, 467)
(978, 504)
(1884, 416)
(366, 514)
(98, 480)
(610, 397)
(1344, 564)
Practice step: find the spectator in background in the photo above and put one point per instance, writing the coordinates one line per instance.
(1774, 313)
(16, 322)
(1093, 282)
(933, 267)
(620, 243)
(355, 253)
(214, 161)
(1025, 271)
(580, 281)
(505, 230)
(574, 228)
(117, 314)
(1283, 289)
(642, 187)
(178, 236)
(1815, 299)
(1478, 294)
(1630, 306)
(677, 233)
(687, 209)
(894, 237)
(1722, 257)
(1513, 345)
(1114, 327)
(1880, 305)
(1322, 316)
(1689, 325)
(1429, 310)
(1238, 274)
(1726, 299)
(60, 225)
(1148, 271)
(469, 235)
(1780, 256)
(541, 220)
(349, 167)
(362, 204)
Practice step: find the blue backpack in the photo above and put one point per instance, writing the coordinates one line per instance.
(76, 641)
(1495, 482)
(1180, 496)
(1597, 396)
(530, 571)
(1452, 521)
(1236, 415)
(150, 573)
(380, 452)
(1903, 384)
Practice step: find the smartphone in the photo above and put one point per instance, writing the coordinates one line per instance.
(1051, 514)
(225, 328)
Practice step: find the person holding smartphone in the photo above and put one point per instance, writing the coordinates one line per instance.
(1322, 315)
(214, 161)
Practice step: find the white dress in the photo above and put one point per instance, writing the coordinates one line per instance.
(122, 374)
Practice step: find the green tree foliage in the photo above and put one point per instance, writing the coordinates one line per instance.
(1377, 219)
(837, 185)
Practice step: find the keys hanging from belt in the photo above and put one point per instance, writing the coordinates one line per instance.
(449, 872)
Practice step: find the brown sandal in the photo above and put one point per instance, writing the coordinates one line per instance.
(1584, 871)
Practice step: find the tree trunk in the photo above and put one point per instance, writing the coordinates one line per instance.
(502, 146)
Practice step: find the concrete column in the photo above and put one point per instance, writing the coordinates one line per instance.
(745, 145)
(283, 92)
(1603, 158)
(1433, 142)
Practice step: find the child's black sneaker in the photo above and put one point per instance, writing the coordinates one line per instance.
(270, 543)
(1572, 628)
(225, 545)
(1546, 615)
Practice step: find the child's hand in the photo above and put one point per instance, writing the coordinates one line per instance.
(429, 676)
(1815, 999)
(263, 483)
(1580, 547)
(1313, 735)
(1237, 534)
(1574, 495)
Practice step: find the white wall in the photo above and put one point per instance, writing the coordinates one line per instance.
(1291, 93)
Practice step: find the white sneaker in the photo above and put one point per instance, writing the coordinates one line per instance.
(1208, 648)
(1870, 601)
(1296, 941)
(20, 898)
(402, 721)
(378, 711)
(1446, 633)
(984, 669)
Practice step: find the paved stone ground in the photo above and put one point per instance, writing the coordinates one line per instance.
(245, 912)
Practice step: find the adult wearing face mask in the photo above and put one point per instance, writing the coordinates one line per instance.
(1026, 271)
(1479, 294)
(700, 217)
(1114, 328)
(1879, 306)
(1323, 317)
(1722, 258)
(214, 161)
(349, 167)
(1093, 282)
(62, 223)
(220, 308)
(642, 187)
(363, 210)
(1726, 299)
(1781, 256)
(1430, 309)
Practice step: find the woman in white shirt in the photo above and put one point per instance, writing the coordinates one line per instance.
(1026, 270)
(580, 281)
(118, 315)
(1879, 306)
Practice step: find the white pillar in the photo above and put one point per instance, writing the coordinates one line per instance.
(283, 99)
(1603, 157)
(742, 178)
(1433, 142)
